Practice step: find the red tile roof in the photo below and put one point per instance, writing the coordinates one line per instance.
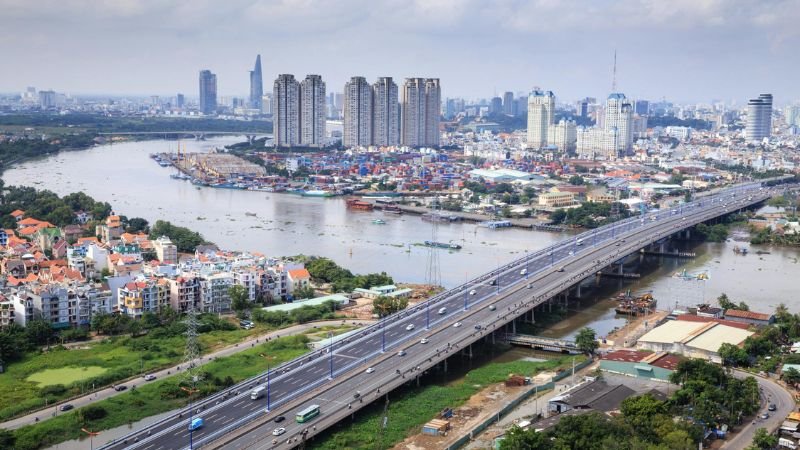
(667, 361)
(747, 315)
(730, 323)
(626, 355)
(299, 273)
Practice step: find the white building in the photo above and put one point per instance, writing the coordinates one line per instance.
(541, 107)
(357, 111)
(759, 118)
(619, 117)
(312, 111)
(166, 251)
(563, 135)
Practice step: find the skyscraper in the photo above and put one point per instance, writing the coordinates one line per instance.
(496, 105)
(541, 107)
(619, 122)
(208, 92)
(433, 111)
(759, 118)
(312, 111)
(385, 123)
(357, 109)
(508, 103)
(420, 112)
(256, 85)
(286, 111)
(180, 101)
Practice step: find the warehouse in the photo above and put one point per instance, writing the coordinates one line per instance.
(640, 364)
(692, 339)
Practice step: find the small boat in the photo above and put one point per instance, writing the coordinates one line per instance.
(443, 245)
(635, 305)
(251, 214)
(379, 222)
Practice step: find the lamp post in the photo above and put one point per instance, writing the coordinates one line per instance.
(427, 315)
(91, 434)
(330, 353)
(527, 259)
(383, 335)
(465, 291)
(191, 415)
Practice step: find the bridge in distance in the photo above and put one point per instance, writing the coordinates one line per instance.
(401, 347)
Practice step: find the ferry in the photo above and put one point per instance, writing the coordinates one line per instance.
(443, 245)
(355, 203)
(632, 305)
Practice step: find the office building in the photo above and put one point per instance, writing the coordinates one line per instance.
(641, 107)
(208, 92)
(618, 122)
(582, 108)
(541, 106)
(312, 111)
(508, 103)
(357, 111)
(792, 114)
(180, 101)
(496, 105)
(256, 85)
(286, 111)
(385, 112)
(759, 119)
(47, 99)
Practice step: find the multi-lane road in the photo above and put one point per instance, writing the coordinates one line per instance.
(381, 357)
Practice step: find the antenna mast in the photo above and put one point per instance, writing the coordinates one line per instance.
(614, 74)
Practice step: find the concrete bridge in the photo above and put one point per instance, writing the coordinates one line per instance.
(195, 134)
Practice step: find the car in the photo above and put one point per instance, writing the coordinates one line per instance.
(149, 377)
(772, 407)
(409, 327)
(561, 269)
(478, 327)
(523, 271)
(530, 285)
(196, 423)
(765, 416)
(423, 341)
(492, 307)
(357, 394)
(280, 419)
(457, 324)
(370, 369)
(401, 353)
(473, 292)
(120, 387)
(617, 244)
(494, 282)
(442, 311)
(278, 431)
(65, 407)
(571, 253)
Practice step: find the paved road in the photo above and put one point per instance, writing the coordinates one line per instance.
(103, 394)
(771, 392)
(448, 322)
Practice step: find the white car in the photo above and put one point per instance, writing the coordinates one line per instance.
(409, 327)
(370, 370)
(473, 292)
(278, 431)
(424, 341)
(523, 271)
(149, 377)
(457, 324)
(492, 307)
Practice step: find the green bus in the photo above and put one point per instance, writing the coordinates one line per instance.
(307, 414)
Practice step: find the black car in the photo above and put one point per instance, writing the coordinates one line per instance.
(120, 388)
(66, 407)
(279, 419)
(772, 407)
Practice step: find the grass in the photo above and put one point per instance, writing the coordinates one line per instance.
(411, 407)
(161, 395)
(21, 389)
(65, 375)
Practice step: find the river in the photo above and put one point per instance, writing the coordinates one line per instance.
(123, 175)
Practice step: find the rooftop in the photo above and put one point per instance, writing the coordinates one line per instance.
(752, 315)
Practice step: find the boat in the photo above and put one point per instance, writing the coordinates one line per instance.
(251, 214)
(379, 222)
(633, 305)
(435, 217)
(443, 245)
(685, 275)
(493, 224)
(317, 193)
(199, 182)
(740, 250)
(357, 204)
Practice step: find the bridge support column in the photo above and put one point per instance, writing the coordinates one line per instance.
(514, 326)
(662, 247)
(578, 291)
(550, 304)
(621, 268)
(470, 351)
(417, 380)
(445, 365)
(493, 333)
(688, 233)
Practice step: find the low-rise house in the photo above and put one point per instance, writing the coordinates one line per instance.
(389, 290)
(750, 317)
(591, 394)
(298, 279)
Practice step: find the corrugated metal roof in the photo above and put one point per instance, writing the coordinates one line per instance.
(711, 339)
(672, 331)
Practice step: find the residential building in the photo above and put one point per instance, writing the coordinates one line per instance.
(556, 199)
(619, 119)
(759, 119)
(385, 112)
(420, 112)
(184, 294)
(7, 313)
(286, 111)
(312, 111)
(496, 105)
(111, 229)
(138, 297)
(357, 111)
(256, 86)
(208, 92)
(47, 99)
(541, 109)
(166, 251)
(749, 317)
(298, 279)
(214, 292)
(563, 135)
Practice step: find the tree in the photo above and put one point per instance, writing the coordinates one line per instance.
(39, 331)
(7, 439)
(558, 216)
(576, 180)
(732, 355)
(725, 302)
(136, 225)
(518, 439)
(763, 440)
(586, 341)
(304, 292)
(791, 376)
(91, 412)
(240, 300)
(384, 306)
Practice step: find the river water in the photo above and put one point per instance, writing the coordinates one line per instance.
(285, 224)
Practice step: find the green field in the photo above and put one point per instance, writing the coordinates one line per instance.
(26, 383)
(65, 375)
(410, 407)
(161, 395)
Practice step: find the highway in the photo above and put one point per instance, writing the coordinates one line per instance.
(771, 393)
(339, 379)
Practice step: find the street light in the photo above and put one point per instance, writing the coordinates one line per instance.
(383, 335)
(330, 352)
(91, 434)
(527, 259)
(191, 415)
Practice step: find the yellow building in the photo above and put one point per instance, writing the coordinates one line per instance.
(556, 199)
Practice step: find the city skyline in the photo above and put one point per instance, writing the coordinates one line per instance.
(695, 59)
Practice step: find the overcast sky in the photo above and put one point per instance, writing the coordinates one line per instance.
(683, 50)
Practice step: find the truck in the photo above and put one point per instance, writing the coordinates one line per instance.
(258, 392)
